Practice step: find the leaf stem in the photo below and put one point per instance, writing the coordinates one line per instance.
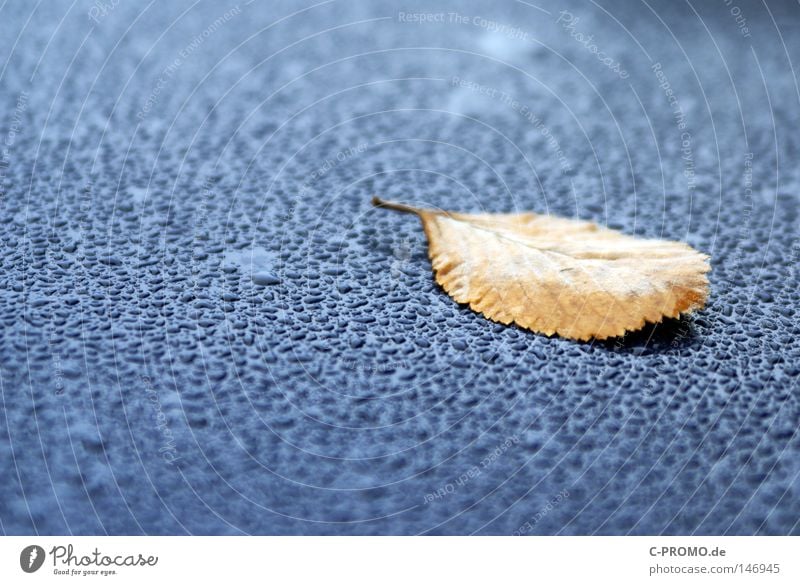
(378, 202)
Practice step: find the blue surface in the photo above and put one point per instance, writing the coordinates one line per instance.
(207, 329)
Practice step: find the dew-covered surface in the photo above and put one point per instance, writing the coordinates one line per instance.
(207, 329)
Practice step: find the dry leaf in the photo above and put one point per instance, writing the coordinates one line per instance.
(555, 275)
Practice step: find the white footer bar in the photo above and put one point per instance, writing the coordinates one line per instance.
(400, 560)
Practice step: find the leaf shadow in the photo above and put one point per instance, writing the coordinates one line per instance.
(670, 334)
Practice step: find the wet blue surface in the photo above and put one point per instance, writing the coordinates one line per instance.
(207, 329)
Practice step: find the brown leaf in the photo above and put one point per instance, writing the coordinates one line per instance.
(555, 275)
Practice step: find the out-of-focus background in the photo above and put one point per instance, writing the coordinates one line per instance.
(207, 329)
